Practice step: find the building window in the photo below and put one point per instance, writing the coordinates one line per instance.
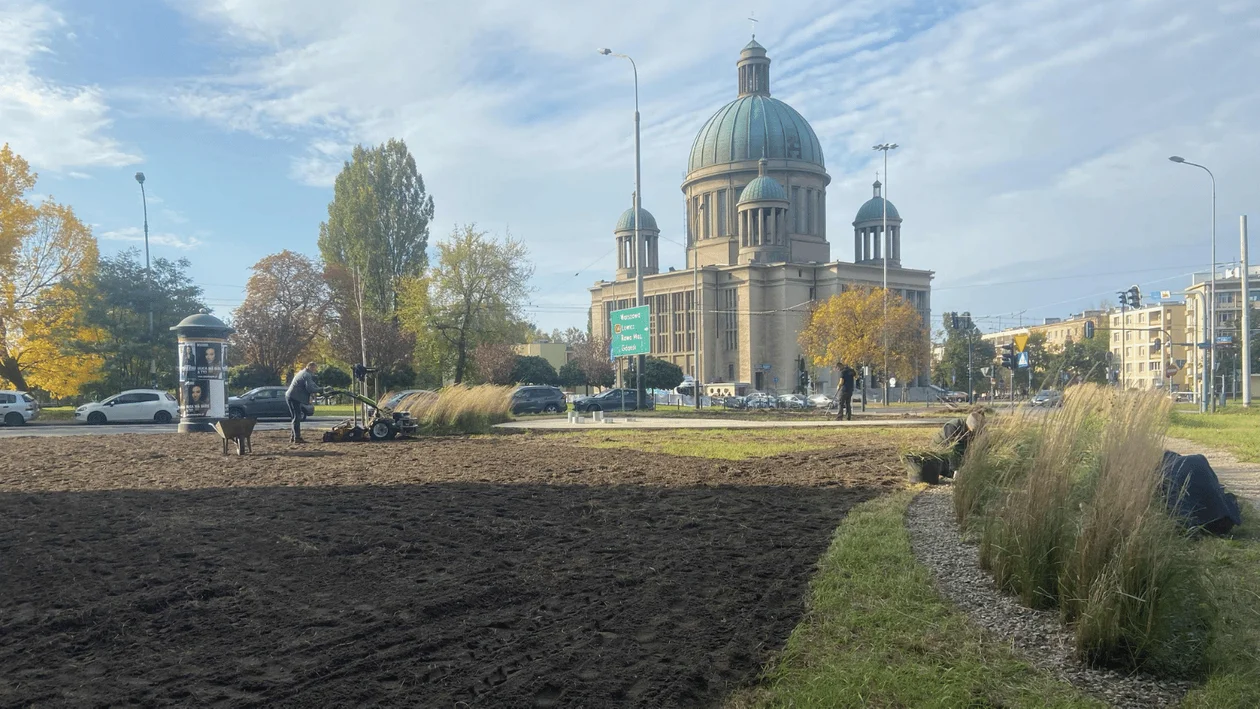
(721, 213)
(660, 317)
(730, 319)
(809, 211)
(707, 215)
(1115, 336)
(813, 293)
(796, 210)
(730, 372)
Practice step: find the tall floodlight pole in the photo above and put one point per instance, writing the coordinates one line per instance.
(1246, 311)
(885, 147)
(640, 394)
(148, 280)
(1211, 308)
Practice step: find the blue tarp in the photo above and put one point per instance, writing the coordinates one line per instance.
(1194, 494)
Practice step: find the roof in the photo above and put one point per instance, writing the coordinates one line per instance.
(873, 210)
(626, 222)
(763, 188)
(753, 127)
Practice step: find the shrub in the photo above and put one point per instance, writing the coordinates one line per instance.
(460, 409)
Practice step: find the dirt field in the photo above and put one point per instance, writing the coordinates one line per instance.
(511, 572)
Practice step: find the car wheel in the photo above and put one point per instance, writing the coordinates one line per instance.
(301, 415)
(96, 418)
(162, 417)
(13, 418)
(236, 413)
(551, 409)
(594, 408)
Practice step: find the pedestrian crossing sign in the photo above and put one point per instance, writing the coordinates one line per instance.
(1022, 362)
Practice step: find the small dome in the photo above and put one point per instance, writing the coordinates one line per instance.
(873, 211)
(626, 222)
(763, 188)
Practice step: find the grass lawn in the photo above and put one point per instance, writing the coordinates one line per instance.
(1233, 429)
(877, 634)
(56, 413)
(334, 410)
(1235, 654)
(738, 444)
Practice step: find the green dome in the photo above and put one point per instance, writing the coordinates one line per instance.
(873, 210)
(752, 127)
(763, 188)
(626, 222)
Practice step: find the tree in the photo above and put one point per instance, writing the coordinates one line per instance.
(659, 374)
(474, 294)
(533, 370)
(46, 256)
(494, 362)
(331, 376)
(951, 371)
(592, 357)
(243, 377)
(567, 336)
(378, 224)
(571, 375)
(287, 303)
(1087, 360)
(851, 328)
(118, 300)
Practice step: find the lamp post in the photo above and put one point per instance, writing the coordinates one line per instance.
(640, 394)
(148, 280)
(885, 147)
(1211, 308)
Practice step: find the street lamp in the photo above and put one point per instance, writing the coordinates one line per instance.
(148, 279)
(640, 394)
(884, 253)
(1211, 308)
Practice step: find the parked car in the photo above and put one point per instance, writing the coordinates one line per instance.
(17, 407)
(537, 399)
(793, 401)
(611, 400)
(1047, 397)
(1183, 396)
(761, 400)
(396, 398)
(821, 401)
(263, 403)
(133, 405)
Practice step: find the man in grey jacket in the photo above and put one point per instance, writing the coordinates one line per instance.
(299, 393)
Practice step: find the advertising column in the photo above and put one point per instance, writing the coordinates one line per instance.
(202, 359)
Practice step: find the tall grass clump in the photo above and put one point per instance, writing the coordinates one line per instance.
(992, 461)
(1130, 585)
(1026, 538)
(460, 409)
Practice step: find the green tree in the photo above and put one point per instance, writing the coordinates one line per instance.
(571, 375)
(333, 376)
(951, 371)
(475, 293)
(244, 377)
(658, 373)
(118, 302)
(378, 224)
(533, 370)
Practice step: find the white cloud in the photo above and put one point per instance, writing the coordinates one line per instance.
(135, 234)
(54, 126)
(1034, 135)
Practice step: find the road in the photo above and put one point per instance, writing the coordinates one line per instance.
(65, 428)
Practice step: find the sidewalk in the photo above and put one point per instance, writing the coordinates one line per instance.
(1242, 479)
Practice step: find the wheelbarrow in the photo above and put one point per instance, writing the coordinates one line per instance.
(238, 430)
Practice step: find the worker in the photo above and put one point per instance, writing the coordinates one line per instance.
(298, 395)
(844, 399)
(957, 433)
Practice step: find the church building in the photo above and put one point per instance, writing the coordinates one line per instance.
(758, 258)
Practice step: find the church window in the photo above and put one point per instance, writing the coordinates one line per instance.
(660, 327)
(809, 211)
(707, 215)
(796, 210)
(813, 293)
(730, 318)
(690, 301)
(721, 213)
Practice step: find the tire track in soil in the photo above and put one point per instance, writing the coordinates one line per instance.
(500, 573)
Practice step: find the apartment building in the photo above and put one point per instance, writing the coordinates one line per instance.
(1148, 347)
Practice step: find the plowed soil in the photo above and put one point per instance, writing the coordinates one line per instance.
(505, 572)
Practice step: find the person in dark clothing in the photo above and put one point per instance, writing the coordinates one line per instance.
(845, 399)
(299, 393)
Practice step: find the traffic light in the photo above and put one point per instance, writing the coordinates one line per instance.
(1008, 355)
(953, 321)
(1156, 345)
(1089, 329)
(1134, 297)
(1121, 297)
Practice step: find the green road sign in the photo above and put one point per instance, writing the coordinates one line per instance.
(631, 331)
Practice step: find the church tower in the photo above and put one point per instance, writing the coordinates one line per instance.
(624, 233)
(869, 242)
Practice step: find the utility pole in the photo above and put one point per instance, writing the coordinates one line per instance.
(1246, 313)
(148, 281)
(885, 147)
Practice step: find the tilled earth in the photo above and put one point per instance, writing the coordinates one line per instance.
(505, 572)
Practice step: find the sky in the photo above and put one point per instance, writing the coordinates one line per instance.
(1032, 172)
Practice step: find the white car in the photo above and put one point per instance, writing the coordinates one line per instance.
(17, 407)
(149, 405)
(821, 401)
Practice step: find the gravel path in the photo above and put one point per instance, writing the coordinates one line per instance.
(1242, 479)
(955, 564)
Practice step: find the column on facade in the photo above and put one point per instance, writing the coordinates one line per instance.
(774, 225)
(857, 245)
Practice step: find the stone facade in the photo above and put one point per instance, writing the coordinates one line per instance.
(758, 258)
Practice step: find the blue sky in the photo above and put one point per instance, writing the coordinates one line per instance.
(1033, 173)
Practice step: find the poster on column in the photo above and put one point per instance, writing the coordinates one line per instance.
(210, 357)
(194, 399)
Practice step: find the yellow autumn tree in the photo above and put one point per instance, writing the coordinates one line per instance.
(851, 328)
(46, 257)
